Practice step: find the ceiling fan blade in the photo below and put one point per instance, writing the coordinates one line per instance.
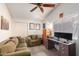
(48, 5)
(41, 9)
(33, 9)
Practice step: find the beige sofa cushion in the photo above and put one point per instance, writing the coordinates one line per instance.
(15, 40)
(7, 48)
(19, 53)
(22, 45)
(22, 48)
(21, 40)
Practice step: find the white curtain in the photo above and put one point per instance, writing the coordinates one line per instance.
(76, 36)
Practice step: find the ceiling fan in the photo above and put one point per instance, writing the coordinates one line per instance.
(41, 5)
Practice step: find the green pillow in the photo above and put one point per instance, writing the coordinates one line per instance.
(33, 37)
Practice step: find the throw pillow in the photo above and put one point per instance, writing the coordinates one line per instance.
(21, 40)
(8, 48)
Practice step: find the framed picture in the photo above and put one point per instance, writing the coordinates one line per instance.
(4, 24)
(34, 26)
(61, 15)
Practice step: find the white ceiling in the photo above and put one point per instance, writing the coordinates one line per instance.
(22, 11)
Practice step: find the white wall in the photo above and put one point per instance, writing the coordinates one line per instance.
(66, 27)
(71, 14)
(4, 34)
(21, 27)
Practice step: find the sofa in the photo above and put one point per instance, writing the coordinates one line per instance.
(14, 46)
(33, 40)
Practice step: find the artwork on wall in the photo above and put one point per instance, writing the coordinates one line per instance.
(34, 26)
(61, 15)
(4, 24)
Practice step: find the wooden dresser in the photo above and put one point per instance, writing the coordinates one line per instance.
(64, 49)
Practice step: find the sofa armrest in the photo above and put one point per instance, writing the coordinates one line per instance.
(19, 53)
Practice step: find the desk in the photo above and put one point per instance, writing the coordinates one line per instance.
(65, 49)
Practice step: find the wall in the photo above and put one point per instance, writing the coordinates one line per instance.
(4, 34)
(20, 27)
(70, 15)
(66, 27)
(66, 24)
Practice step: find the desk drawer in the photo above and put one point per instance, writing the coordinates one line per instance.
(63, 49)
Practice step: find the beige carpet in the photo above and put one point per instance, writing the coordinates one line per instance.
(42, 51)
